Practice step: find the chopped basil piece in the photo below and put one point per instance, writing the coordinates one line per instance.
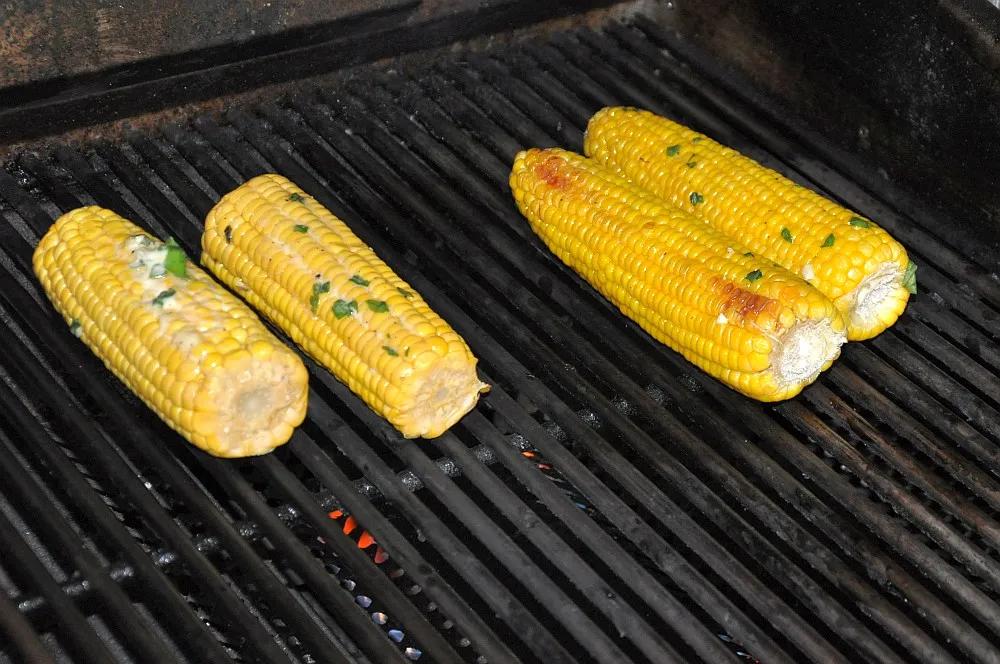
(691, 164)
(828, 242)
(163, 297)
(228, 233)
(858, 222)
(319, 288)
(748, 254)
(696, 139)
(390, 350)
(297, 198)
(359, 280)
(74, 328)
(378, 306)
(910, 278)
(786, 235)
(157, 271)
(696, 198)
(673, 150)
(405, 293)
(343, 308)
(754, 276)
(299, 228)
(176, 261)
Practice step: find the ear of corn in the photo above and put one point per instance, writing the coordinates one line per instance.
(191, 351)
(850, 259)
(746, 321)
(301, 266)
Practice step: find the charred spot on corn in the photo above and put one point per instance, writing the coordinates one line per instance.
(858, 222)
(378, 306)
(297, 198)
(344, 308)
(910, 278)
(405, 293)
(748, 254)
(828, 242)
(163, 297)
(319, 288)
(786, 235)
(75, 329)
(227, 232)
(359, 280)
(691, 164)
(390, 351)
(301, 228)
(176, 261)
(696, 198)
(754, 276)
(673, 150)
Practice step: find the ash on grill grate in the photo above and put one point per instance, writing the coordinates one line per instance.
(604, 503)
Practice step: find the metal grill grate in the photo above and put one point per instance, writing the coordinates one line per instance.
(605, 503)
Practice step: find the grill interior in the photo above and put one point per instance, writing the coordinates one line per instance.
(606, 502)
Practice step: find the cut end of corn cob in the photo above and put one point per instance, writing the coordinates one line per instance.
(304, 269)
(744, 320)
(847, 257)
(192, 352)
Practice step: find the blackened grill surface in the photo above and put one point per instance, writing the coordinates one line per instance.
(605, 503)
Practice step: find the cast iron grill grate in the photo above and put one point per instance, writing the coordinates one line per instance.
(605, 503)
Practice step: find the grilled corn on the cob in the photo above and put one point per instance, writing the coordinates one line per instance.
(196, 355)
(848, 258)
(746, 321)
(292, 259)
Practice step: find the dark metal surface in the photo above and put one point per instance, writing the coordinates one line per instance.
(605, 503)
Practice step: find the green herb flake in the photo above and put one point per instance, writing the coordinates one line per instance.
(828, 242)
(786, 235)
(176, 261)
(75, 329)
(910, 278)
(673, 150)
(359, 280)
(858, 222)
(691, 164)
(697, 139)
(163, 297)
(390, 351)
(297, 198)
(754, 276)
(378, 306)
(319, 288)
(405, 293)
(228, 233)
(300, 228)
(748, 254)
(696, 198)
(343, 308)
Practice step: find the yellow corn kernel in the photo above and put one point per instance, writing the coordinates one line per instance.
(160, 324)
(744, 320)
(305, 270)
(848, 258)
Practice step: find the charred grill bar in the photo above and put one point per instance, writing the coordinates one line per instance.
(605, 503)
